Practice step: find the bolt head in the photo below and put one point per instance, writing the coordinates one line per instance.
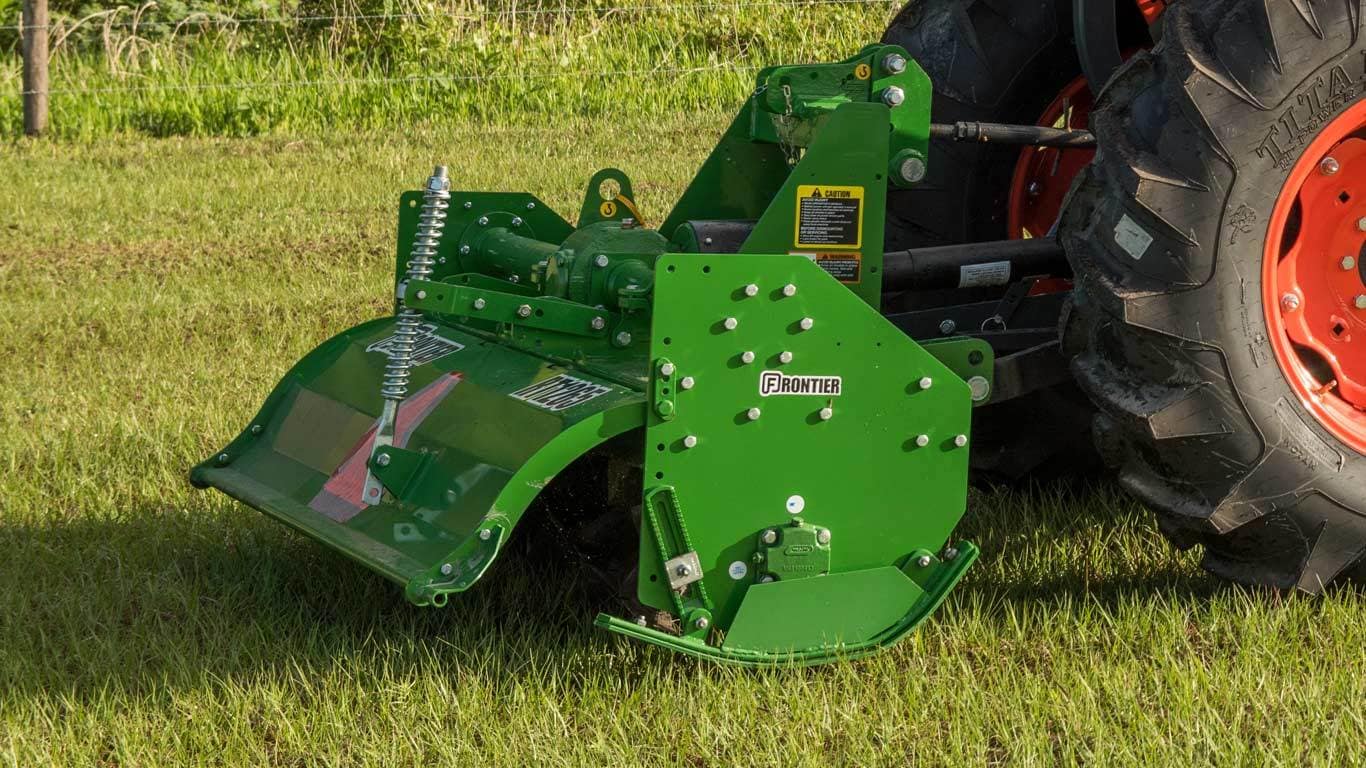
(947, 327)
(912, 169)
(524, 310)
(623, 338)
(483, 221)
(785, 358)
(922, 440)
(464, 250)
(601, 260)
(222, 458)
(687, 382)
(979, 388)
(746, 357)
(806, 324)
(690, 441)
(893, 96)
(598, 323)
(447, 569)
(893, 63)
(383, 460)
(702, 622)
(950, 554)
(516, 221)
(1329, 166)
(667, 369)
(789, 290)
(924, 561)
(256, 429)
(1290, 302)
(751, 290)
(486, 534)
(753, 414)
(926, 382)
(765, 579)
(827, 413)
(421, 295)
(468, 205)
(770, 536)
(683, 570)
(1348, 263)
(960, 440)
(480, 303)
(730, 323)
(531, 206)
(1035, 189)
(1361, 223)
(1360, 301)
(823, 537)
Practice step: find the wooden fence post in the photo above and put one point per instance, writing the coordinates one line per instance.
(35, 32)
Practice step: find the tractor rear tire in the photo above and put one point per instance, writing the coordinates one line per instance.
(1168, 234)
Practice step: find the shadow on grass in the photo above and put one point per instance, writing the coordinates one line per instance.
(158, 599)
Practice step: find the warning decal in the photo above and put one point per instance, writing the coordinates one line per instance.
(560, 392)
(829, 217)
(427, 347)
(844, 267)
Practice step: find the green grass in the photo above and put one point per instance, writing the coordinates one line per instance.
(152, 293)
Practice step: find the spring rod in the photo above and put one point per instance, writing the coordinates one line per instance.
(431, 222)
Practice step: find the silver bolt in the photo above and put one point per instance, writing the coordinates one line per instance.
(1329, 166)
(730, 323)
(827, 413)
(1361, 223)
(483, 221)
(893, 96)
(960, 440)
(702, 622)
(926, 382)
(383, 460)
(765, 579)
(806, 323)
(641, 622)
(256, 429)
(222, 458)
(441, 260)
(598, 323)
(1290, 302)
(623, 338)
(524, 310)
(601, 260)
(1348, 263)
(947, 327)
(789, 290)
(785, 358)
(924, 561)
(468, 205)
(770, 536)
(824, 536)
(516, 221)
(950, 554)
(480, 303)
(922, 440)
(464, 250)
(753, 414)
(894, 63)
(683, 570)
(913, 169)
(1035, 189)
(980, 388)
(707, 241)
(531, 206)
(447, 569)
(690, 441)
(687, 382)
(751, 290)
(667, 369)
(421, 295)
(746, 357)
(1360, 301)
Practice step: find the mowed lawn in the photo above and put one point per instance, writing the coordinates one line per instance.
(151, 294)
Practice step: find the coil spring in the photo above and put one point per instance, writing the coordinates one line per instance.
(436, 199)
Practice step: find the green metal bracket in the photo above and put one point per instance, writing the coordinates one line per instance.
(664, 389)
(609, 198)
(497, 306)
(798, 550)
(681, 571)
(397, 468)
(972, 360)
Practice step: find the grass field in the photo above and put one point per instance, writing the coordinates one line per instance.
(154, 290)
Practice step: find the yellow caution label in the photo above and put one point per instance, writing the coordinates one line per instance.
(829, 217)
(863, 71)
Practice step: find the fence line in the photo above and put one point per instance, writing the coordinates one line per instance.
(229, 21)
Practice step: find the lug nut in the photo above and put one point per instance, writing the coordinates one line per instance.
(926, 382)
(524, 310)
(894, 63)
(753, 414)
(789, 290)
(730, 323)
(598, 323)
(1348, 263)
(770, 536)
(687, 383)
(1290, 302)
(480, 303)
(960, 440)
(785, 358)
(746, 357)
(806, 324)
(922, 440)
(893, 96)
(827, 413)
(1360, 301)
(824, 536)
(690, 441)
(1361, 223)
(666, 370)
(751, 290)
(1329, 166)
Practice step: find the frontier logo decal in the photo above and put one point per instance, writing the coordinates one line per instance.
(427, 347)
(561, 392)
(778, 383)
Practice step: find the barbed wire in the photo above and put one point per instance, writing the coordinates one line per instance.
(414, 79)
(227, 21)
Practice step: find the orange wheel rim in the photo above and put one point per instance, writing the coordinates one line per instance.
(1044, 174)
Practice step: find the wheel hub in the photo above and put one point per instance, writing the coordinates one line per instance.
(1314, 278)
(1044, 174)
